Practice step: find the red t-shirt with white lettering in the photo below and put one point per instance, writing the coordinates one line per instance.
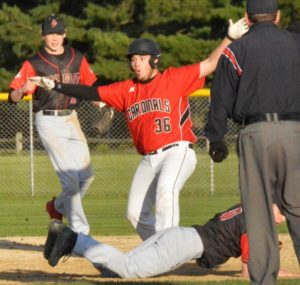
(157, 112)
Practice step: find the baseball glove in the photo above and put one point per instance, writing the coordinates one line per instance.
(43, 82)
(104, 120)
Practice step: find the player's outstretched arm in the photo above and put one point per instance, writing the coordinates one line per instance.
(234, 32)
(82, 92)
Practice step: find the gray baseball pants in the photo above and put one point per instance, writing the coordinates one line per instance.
(269, 156)
(164, 251)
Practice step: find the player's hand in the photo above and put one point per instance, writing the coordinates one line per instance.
(218, 151)
(237, 29)
(43, 82)
(28, 87)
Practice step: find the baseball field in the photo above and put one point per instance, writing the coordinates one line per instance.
(23, 227)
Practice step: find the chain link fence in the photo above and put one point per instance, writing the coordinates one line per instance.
(26, 169)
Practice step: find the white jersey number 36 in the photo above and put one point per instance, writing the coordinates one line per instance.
(163, 125)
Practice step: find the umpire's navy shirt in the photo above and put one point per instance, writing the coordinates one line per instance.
(257, 74)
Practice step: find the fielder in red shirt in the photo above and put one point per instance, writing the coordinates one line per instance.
(157, 111)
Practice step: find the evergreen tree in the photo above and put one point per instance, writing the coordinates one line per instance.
(186, 30)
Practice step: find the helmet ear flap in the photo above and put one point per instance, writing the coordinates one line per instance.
(154, 61)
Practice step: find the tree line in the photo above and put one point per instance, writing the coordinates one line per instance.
(186, 30)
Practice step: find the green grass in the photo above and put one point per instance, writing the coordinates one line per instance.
(105, 203)
(113, 174)
(27, 217)
(106, 215)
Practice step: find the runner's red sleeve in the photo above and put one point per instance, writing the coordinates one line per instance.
(244, 248)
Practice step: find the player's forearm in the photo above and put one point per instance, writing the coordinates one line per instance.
(234, 32)
(16, 96)
(215, 55)
(82, 92)
(209, 65)
(245, 272)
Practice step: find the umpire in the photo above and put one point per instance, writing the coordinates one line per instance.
(257, 84)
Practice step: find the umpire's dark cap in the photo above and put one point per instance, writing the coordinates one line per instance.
(262, 6)
(53, 25)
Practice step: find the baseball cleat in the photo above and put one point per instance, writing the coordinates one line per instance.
(54, 229)
(64, 245)
(53, 213)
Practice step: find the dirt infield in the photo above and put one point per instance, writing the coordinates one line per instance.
(22, 262)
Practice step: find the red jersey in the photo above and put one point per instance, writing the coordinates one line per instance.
(158, 111)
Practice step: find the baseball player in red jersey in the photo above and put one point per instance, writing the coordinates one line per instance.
(158, 115)
(56, 119)
(222, 237)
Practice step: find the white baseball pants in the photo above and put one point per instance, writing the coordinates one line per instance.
(68, 151)
(157, 183)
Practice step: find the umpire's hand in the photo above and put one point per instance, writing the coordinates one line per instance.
(218, 151)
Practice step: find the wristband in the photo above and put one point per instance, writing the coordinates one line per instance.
(230, 38)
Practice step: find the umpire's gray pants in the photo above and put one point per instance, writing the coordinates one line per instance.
(269, 155)
(164, 251)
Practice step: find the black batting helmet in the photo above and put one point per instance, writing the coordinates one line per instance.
(143, 47)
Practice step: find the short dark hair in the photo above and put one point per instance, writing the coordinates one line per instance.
(256, 18)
